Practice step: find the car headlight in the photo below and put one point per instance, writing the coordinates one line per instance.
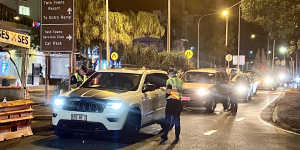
(282, 76)
(114, 106)
(203, 91)
(58, 102)
(241, 89)
(268, 80)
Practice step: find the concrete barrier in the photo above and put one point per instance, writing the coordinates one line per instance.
(15, 119)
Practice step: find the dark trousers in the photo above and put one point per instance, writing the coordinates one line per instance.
(171, 120)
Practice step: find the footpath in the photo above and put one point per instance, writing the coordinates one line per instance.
(286, 112)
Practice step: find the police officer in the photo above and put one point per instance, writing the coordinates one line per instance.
(78, 77)
(174, 106)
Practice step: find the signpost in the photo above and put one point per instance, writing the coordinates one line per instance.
(188, 54)
(228, 58)
(57, 31)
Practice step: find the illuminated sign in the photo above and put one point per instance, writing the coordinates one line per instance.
(14, 38)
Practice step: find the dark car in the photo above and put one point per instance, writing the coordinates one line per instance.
(242, 87)
(205, 88)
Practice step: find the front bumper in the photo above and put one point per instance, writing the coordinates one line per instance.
(98, 121)
(196, 101)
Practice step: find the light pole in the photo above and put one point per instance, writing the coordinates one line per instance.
(198, 23)
(169, 27)
(225, 13)
(239, 40)
(107, 38)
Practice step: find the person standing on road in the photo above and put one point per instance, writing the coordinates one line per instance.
(174, 105)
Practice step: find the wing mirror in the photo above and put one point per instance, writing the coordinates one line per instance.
(148, 87)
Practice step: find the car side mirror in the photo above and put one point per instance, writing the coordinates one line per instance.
(148, 87)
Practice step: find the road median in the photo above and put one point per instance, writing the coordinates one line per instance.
(286, 111)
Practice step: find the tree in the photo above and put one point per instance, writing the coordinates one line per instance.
(124, 27)
(277, 17)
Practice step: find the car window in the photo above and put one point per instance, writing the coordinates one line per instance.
(200, 77)
(113, 81)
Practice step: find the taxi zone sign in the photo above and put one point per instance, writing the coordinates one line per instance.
(14, 38)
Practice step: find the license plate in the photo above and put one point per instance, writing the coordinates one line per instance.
(185, 98)
(78, 117)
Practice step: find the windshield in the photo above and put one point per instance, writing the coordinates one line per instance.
(200, 77)
(114, 81)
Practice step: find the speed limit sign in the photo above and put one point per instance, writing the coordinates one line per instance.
(228, 57)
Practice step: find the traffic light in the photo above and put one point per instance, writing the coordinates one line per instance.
(251, 52)
(192, 47)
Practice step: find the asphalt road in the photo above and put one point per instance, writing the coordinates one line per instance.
(200, 131)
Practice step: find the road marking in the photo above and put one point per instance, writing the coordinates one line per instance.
(240, 119)
(211, 132)
(269, 124)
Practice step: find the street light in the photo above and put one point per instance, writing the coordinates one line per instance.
(198, 23)
(225, 13)
(17, 18)
(253, 36)
(282, 50)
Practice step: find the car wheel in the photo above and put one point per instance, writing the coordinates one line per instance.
(211, 108)
(133, 123)
(62, 134)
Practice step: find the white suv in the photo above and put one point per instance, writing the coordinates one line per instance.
(112, 100)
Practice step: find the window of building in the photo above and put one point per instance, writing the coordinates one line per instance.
(23, 10)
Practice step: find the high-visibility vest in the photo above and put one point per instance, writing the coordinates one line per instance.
(78, 77)
(175, 92)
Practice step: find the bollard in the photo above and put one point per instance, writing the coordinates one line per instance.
(15, 119)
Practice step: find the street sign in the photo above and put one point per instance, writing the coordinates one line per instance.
(57, 25)
(188, 54)
(14, 38)
(114, 56)
(241, 61)
(228, 57)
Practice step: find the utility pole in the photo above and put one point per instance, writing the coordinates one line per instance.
(273, 59)
(169, 27)
(239, 40)
(107, 38)
(227, 23)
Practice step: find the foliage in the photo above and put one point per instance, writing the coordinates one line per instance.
(90, 23)
(277, 17)
(150, 57)
(35, 37)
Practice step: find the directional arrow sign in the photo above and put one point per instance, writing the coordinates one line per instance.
(69, 37)
(69, 11)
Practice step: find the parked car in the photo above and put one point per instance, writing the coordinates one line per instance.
(205, 88)
(122, 100)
